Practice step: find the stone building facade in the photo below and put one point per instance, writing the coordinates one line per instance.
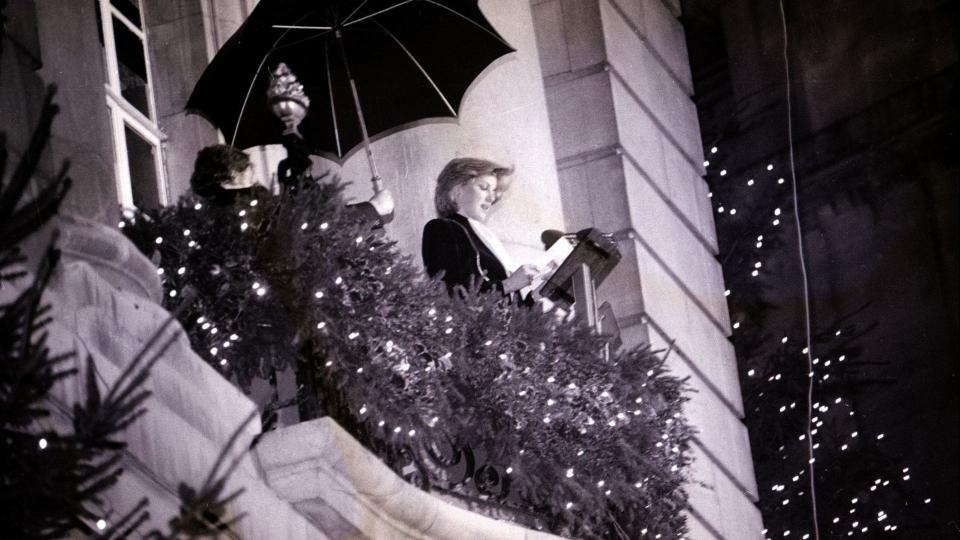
(594, 111)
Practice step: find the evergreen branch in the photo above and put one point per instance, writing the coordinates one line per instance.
(28, 163)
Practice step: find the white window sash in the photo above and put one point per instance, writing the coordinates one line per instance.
(107, 14)
(121, 119)
(123, 114)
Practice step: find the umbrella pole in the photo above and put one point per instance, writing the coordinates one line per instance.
(377, 181)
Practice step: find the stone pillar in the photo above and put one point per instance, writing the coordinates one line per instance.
(184, 35)
(178, 55)
(34, 55)
(629, 159)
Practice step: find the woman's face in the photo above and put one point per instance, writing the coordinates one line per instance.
(241, 179)
(475, 198)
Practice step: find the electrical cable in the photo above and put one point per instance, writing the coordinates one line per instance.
(806, 284)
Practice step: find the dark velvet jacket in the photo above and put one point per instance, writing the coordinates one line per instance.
(451, 246)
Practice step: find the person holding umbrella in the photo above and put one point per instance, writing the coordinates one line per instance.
(223, 177)
(458, 245)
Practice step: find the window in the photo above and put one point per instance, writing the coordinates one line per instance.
(136, 137)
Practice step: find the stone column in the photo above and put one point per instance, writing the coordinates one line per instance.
(630, 159)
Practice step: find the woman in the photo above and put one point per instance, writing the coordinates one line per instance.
(458, 244)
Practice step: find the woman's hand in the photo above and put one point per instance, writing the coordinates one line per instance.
(520, 278)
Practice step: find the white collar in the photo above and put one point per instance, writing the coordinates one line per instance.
(489, 239)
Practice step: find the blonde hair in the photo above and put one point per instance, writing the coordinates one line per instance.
(458, 172)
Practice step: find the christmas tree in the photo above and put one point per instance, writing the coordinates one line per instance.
(802, 411)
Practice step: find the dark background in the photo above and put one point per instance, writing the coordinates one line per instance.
(874, 124)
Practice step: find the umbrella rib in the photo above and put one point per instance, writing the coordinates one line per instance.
(246, 98)
(333, 108)
(301, 40)
(382, 11)
(420, 67)
(295, 27)
(471, 21)
(354, 12)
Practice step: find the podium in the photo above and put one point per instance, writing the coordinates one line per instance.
(575, 282)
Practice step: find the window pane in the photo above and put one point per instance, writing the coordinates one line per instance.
(130, 10)
(132, 65)
(142, 158)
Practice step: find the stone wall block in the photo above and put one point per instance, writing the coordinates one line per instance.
(719, 428)
(178, 57)
(324, 472)
(676, 246)
(581, 23)
(702, 496)
(739, 518)
(639, 135)
(582, 117)
(551, 41)
(689, 191)
(664, 33)
(651, 84)
(566, 45)
(700, 340)
(657, 159)
(598, 194)
(170, 11)
(634, 11)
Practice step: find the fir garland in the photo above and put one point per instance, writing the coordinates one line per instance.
(595, 444)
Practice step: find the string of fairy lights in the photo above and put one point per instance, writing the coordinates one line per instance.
(819, 370)
(217, 349)
(821, 373)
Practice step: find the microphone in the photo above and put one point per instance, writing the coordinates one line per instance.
(549, 237)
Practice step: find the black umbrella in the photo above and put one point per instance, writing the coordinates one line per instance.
(368, 67)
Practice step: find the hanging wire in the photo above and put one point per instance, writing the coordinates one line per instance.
(806, 284)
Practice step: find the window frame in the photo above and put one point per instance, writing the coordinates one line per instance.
(124, 114)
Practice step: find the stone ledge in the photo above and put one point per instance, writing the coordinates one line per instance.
(325, 473)
(114, 257)
(114, 324)
(104, 308)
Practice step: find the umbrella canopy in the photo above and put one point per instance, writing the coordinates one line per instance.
(409, 59)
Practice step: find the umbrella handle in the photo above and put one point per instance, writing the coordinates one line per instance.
(382, 199)
(377, 181)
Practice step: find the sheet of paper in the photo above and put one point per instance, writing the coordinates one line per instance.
(548, 263)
